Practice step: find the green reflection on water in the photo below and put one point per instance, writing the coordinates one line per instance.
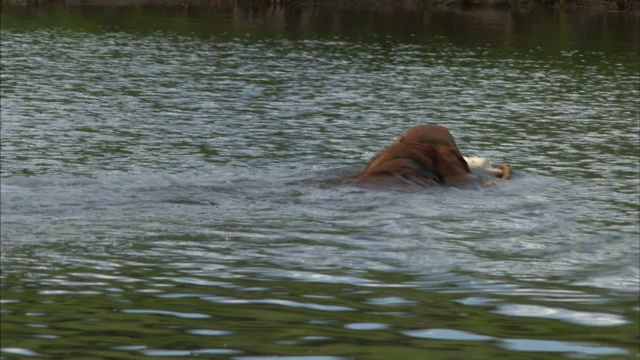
(90, 320)
(510, 31)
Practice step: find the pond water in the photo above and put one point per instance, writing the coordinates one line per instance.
(173, 185)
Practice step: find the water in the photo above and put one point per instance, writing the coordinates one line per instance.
(173, 185)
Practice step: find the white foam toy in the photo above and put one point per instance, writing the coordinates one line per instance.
(483, 164)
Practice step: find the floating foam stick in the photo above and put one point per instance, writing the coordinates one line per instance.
(483, 164)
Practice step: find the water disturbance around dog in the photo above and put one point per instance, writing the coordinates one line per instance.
(176, 188)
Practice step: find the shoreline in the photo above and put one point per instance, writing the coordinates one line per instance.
(621, 6)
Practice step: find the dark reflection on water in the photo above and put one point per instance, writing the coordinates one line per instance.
(174, 186)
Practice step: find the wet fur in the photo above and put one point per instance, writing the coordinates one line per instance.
(423, 155)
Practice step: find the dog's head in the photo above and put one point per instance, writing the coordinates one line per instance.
(426, 154)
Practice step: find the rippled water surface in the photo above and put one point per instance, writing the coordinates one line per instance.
(173, 185)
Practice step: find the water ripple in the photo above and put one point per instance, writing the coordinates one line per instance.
(576, 317)
(167, 313)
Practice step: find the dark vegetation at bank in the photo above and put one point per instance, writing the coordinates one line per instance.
(564, 5)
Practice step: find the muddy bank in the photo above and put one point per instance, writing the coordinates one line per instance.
(631, 6)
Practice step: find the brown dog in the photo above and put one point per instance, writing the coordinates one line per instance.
(422, 155)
